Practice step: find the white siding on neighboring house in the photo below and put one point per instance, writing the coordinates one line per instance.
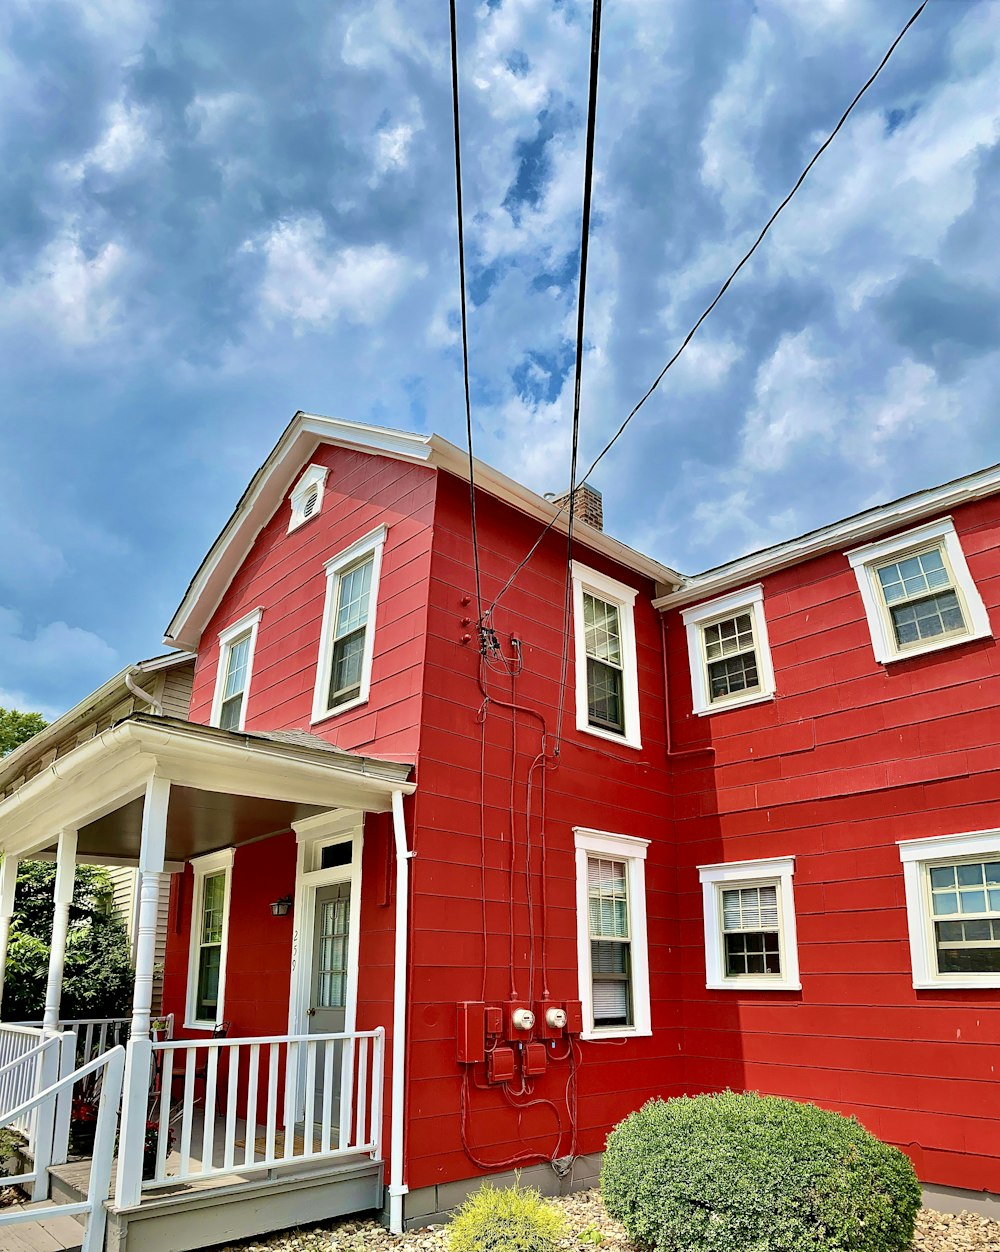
(124, 905)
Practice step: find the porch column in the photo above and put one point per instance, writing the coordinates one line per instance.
(8, 881)
(63, 897)
(138, 1061)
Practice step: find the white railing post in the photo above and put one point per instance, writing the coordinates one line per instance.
(64, 1101)
(62, 898)
(45, 1118)
(139, 1056)
(8, 882)
(104, 1152)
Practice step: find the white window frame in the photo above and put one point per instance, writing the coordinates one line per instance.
(227, 639)
(865, 561)
(371, 545)
(918, 857)
(632, 851)
(748, 600)
(207, 867)
(313, 480)
(733, 874)
(623, 598)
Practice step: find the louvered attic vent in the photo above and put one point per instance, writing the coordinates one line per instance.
(307, 495)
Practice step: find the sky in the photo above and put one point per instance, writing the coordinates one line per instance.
(215, 213)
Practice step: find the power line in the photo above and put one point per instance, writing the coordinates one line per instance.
(721, 292)
(465, 317)
(588, 192)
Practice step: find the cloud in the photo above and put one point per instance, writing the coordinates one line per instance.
(40, 663)
(312, 284)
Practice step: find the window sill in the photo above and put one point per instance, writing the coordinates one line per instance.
(341, 708)
(952, 641)
(760, 698)
(609, 736)
(199, 1025)
(989, 982)
(753, 984)
(616, 1032)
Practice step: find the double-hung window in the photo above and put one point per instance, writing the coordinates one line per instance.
(348, 633)
(236, 652)
(953, 907)
(918, 593)
(728, 651)
(607, 684)
(209, 938)
(613, 960)
(749, 914)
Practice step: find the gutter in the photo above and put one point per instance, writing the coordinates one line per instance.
(397, 1186)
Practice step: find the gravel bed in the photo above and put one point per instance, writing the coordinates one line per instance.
(590, 1227)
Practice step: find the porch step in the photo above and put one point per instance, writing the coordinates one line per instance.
(203, 1215)
(44, 1234)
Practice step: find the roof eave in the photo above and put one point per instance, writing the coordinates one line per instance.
(880, 520)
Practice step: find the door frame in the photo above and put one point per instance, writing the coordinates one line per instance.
(311, 836)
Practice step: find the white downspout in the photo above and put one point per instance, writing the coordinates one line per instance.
(397, 1187)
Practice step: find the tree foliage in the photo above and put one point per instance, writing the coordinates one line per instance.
(98, 974)
(17, 727)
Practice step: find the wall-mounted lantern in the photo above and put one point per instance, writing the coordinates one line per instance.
(282, 907)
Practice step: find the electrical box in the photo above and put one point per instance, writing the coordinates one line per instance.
(494, 1019)
(471, 1033)
(550, 1019)
(535, 1060)
(520, 1021)
(500, 1065)
(574, 1017)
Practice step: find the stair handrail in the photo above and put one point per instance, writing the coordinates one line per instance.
(113, 1061)
(37, 1050)
(97, 1063)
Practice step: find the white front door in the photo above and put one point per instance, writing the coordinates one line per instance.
(327, 1011)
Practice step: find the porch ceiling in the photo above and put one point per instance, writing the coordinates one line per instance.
(197, 822)
(226, 788)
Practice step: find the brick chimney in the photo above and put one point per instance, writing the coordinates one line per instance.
(588, 508)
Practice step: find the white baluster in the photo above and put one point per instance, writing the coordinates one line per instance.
(326, 1134)
(362, 1099)
(250, 1151)
(231, 1091)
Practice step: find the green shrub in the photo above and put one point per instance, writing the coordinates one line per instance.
(746, 1173)
(508, 1219)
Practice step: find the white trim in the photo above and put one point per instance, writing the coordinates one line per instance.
(246, 626)
(632, 851)
(861, 526)
(864, 561)
(918, 856)
(313, 479)
(204, 867)
(371, 545)
(747, 600)
(304, 434)
(623, 598)
(780, 871)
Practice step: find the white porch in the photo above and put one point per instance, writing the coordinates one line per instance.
(235, 1119)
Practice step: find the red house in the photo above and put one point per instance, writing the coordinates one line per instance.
(444, 906)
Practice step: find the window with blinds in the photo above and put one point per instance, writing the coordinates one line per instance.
(751, 929)
(605, 677)
(610, 942)
(350, 622)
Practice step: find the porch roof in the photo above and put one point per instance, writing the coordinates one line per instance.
(227, 788)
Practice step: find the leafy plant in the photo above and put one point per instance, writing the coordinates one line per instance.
(508, 1219)
(98, 976)
(738, 1172)
(590, 1234)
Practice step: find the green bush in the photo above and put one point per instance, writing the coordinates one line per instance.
(739, 1172)
(508, 1219)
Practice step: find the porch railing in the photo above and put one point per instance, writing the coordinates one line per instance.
(22, 1056)
(94, 1035)
(225, 1106)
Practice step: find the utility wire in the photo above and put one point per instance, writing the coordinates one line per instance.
(465, 316)
(721, 292)
(588, 192)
